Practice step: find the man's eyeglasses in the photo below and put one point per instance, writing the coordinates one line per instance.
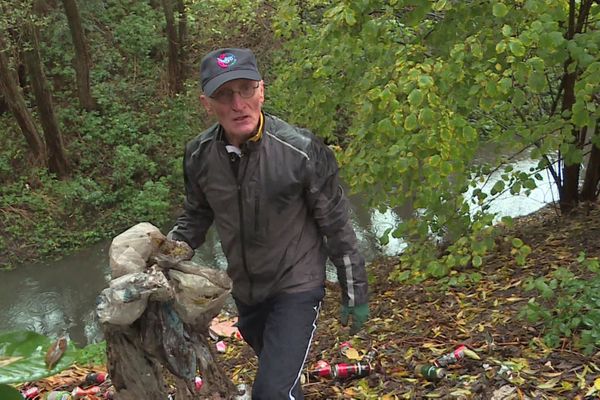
(246, 91)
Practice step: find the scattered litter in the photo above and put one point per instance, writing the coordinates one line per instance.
(221, 346)
(430, 372)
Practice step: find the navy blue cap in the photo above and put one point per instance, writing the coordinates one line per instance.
(223, 65)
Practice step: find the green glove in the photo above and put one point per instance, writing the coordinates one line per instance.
(359, 313)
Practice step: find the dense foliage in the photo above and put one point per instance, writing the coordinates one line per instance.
(415, 89)
(126, 155)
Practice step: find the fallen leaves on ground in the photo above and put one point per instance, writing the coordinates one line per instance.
(414, 324)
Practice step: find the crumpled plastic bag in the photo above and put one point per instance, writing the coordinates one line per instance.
(126, 298)
(148, 266)
(130, 250)
(199, 294)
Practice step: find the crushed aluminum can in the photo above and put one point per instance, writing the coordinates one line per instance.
(79, 392)
(349, 371)
(451, 358)
(31, 393)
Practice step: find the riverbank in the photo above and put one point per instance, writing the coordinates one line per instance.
(412, 324)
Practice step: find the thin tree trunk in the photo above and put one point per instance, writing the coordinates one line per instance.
(569, 196)
(589, 191)
(15, 101)
(182, 57)
(82, 58)
(173, 46)
(57, 159)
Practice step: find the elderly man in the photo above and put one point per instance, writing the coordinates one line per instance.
(272, 191)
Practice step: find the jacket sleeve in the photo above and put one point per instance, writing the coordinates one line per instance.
(330, 208)
(192, 226)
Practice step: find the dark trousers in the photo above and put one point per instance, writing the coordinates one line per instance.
(280, 330)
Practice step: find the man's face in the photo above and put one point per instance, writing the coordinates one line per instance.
(237, 105)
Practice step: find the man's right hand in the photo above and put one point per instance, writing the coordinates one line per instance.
(360, 315)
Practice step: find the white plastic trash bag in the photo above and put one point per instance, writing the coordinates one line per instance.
(130, 250)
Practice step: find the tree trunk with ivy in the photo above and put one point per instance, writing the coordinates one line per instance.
(15, 101)
(57, 158)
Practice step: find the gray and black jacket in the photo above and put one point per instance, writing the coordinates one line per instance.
(278, 219)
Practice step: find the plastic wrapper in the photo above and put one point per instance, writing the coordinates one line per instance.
(126, 298)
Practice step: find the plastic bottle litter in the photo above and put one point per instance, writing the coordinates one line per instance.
(430, 372)
(349, 371)
(58, 395)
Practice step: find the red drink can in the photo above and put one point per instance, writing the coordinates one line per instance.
(347, 371)
(31, 393)
(322, 369)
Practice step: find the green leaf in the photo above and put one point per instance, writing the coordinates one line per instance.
(415, 98)
(536, 81)
(426, 116)
(9, 393)
(425, 81)
(516, 47)
(501, 47)
(507, 30)
(23, 353)
(410, 123)
(517, 243)
(500, 10)
(477, 261)
(497, 188)
(518, 98)
(349, 17)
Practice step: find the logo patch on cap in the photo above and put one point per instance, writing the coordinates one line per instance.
(226, 60)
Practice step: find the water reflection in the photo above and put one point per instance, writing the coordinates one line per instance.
(55, 298)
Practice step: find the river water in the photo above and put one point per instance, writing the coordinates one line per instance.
(59, 297)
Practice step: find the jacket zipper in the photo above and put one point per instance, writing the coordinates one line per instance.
(240, 179)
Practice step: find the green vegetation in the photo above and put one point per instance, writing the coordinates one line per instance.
(23, 356)
(410, 91)
(568, 305)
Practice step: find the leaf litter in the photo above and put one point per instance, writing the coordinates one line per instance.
(413, 324)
